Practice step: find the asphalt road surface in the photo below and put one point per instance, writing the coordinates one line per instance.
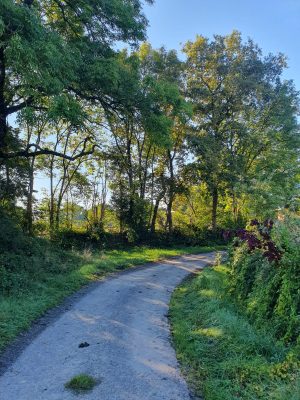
(124, 324)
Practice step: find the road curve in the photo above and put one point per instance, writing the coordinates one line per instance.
(124, 321)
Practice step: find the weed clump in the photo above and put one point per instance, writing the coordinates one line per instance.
(81, 383)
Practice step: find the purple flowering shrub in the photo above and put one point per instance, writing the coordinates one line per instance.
(257, 237)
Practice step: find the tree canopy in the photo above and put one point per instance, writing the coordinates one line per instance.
(139, 142)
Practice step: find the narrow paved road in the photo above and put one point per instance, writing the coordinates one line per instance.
(124, 321)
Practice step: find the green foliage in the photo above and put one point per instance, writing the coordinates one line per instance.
(54, 55)
(81, 383)
(133, 212)
(13, 179)
(96, 121)
(96, 238)
(23, 259)
(130, 122)
(222, 355)
(268, 292)
(244, 134)
(36, 275)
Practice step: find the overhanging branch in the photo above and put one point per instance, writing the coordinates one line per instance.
(39, 151)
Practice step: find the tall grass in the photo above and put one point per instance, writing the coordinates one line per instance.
(222, 355)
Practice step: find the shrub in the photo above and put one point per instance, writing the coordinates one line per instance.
(267, 285)
(24, 258)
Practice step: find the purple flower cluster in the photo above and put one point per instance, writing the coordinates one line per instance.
(259, 238)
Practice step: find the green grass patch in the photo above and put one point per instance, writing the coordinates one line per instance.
(29, 292)
(81, 383)
(222, 355)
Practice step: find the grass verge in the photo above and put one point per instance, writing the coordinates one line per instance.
(81, 383)
(222, 356)
(45, 288)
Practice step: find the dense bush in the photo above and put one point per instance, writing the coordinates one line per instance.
(23, 258)
(266, 281)
(80, 239)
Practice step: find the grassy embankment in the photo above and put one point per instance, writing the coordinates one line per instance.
(222, 355)
(29, 290)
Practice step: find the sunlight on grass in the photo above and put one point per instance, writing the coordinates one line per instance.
(48, 288)
(209, 332)
(88, 270)
(182, 290)
(207, 292)
(223, 357)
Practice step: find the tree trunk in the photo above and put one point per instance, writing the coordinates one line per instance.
(29, 205)
(169, 214)
(234, 207)
(130, 182)
(155, 212)
(51, 206)
(215, 198)
(67, 211)
(57, 212)
(3, 123)
(102, 212)
(171, 196)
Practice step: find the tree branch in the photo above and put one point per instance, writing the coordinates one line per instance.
(39, 151)
(18, 107)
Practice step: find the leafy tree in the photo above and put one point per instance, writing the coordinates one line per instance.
(173, 141)
(242, 109)
(149, 123)
(53, 53)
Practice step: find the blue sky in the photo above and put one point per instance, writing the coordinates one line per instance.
(273, 24)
